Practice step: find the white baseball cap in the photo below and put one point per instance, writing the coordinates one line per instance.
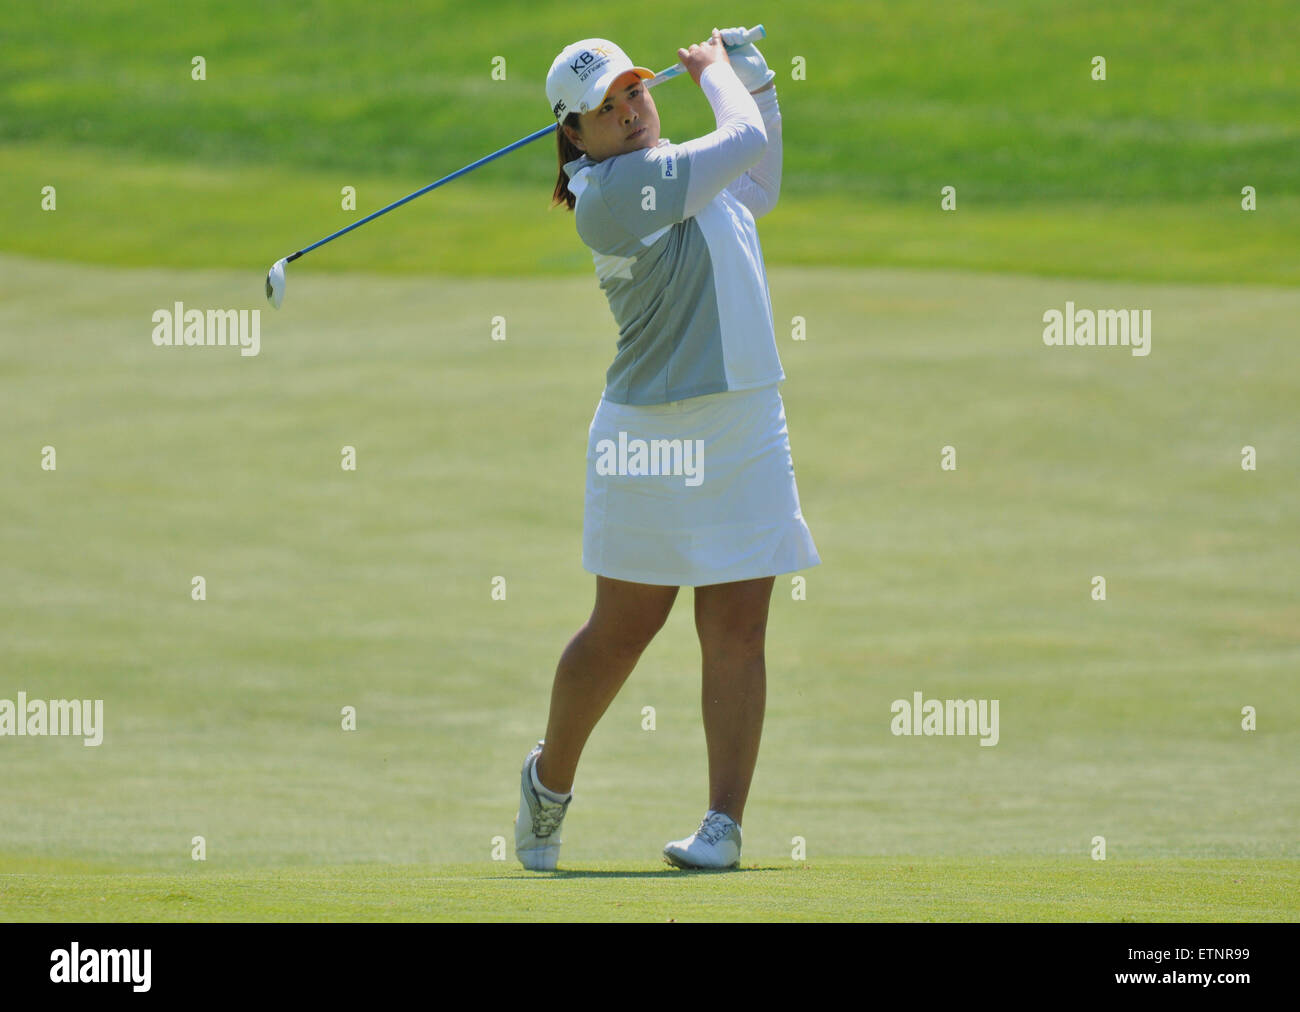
(583, 73)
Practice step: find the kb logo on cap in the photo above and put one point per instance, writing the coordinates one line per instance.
(586, 62)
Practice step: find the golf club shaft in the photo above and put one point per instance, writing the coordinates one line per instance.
(753, 35)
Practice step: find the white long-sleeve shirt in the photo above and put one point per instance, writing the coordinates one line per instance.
(676, 251)
(715, 156)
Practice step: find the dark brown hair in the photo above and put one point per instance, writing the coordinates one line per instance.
(566, 151)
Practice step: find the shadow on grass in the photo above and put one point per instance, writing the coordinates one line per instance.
(664, 872)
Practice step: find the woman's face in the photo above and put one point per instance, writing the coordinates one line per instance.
(626, 121)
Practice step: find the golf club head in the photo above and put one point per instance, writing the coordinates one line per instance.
(275, 284)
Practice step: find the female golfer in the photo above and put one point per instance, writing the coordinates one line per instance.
(689, 476)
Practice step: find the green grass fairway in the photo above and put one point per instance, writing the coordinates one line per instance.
(861, 889)
(372, 589)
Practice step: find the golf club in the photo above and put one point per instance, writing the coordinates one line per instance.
(275, 280)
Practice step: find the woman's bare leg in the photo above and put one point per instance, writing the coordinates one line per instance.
(731, 619)
(594, 667)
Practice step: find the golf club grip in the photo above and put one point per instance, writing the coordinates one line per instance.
(753, 35)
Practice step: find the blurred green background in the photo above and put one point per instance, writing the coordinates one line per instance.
(1137, 176)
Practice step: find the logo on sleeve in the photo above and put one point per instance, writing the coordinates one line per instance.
(667, 167)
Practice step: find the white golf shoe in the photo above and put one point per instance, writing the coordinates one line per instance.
(537, 826)
(716, 844)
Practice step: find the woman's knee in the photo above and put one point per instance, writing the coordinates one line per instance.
(733, 617)
(628, 619)
(733, 636)
(625, 638)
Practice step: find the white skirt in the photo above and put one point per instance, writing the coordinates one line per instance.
(693, 492)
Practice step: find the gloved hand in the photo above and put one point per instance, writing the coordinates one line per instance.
(747, 61)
